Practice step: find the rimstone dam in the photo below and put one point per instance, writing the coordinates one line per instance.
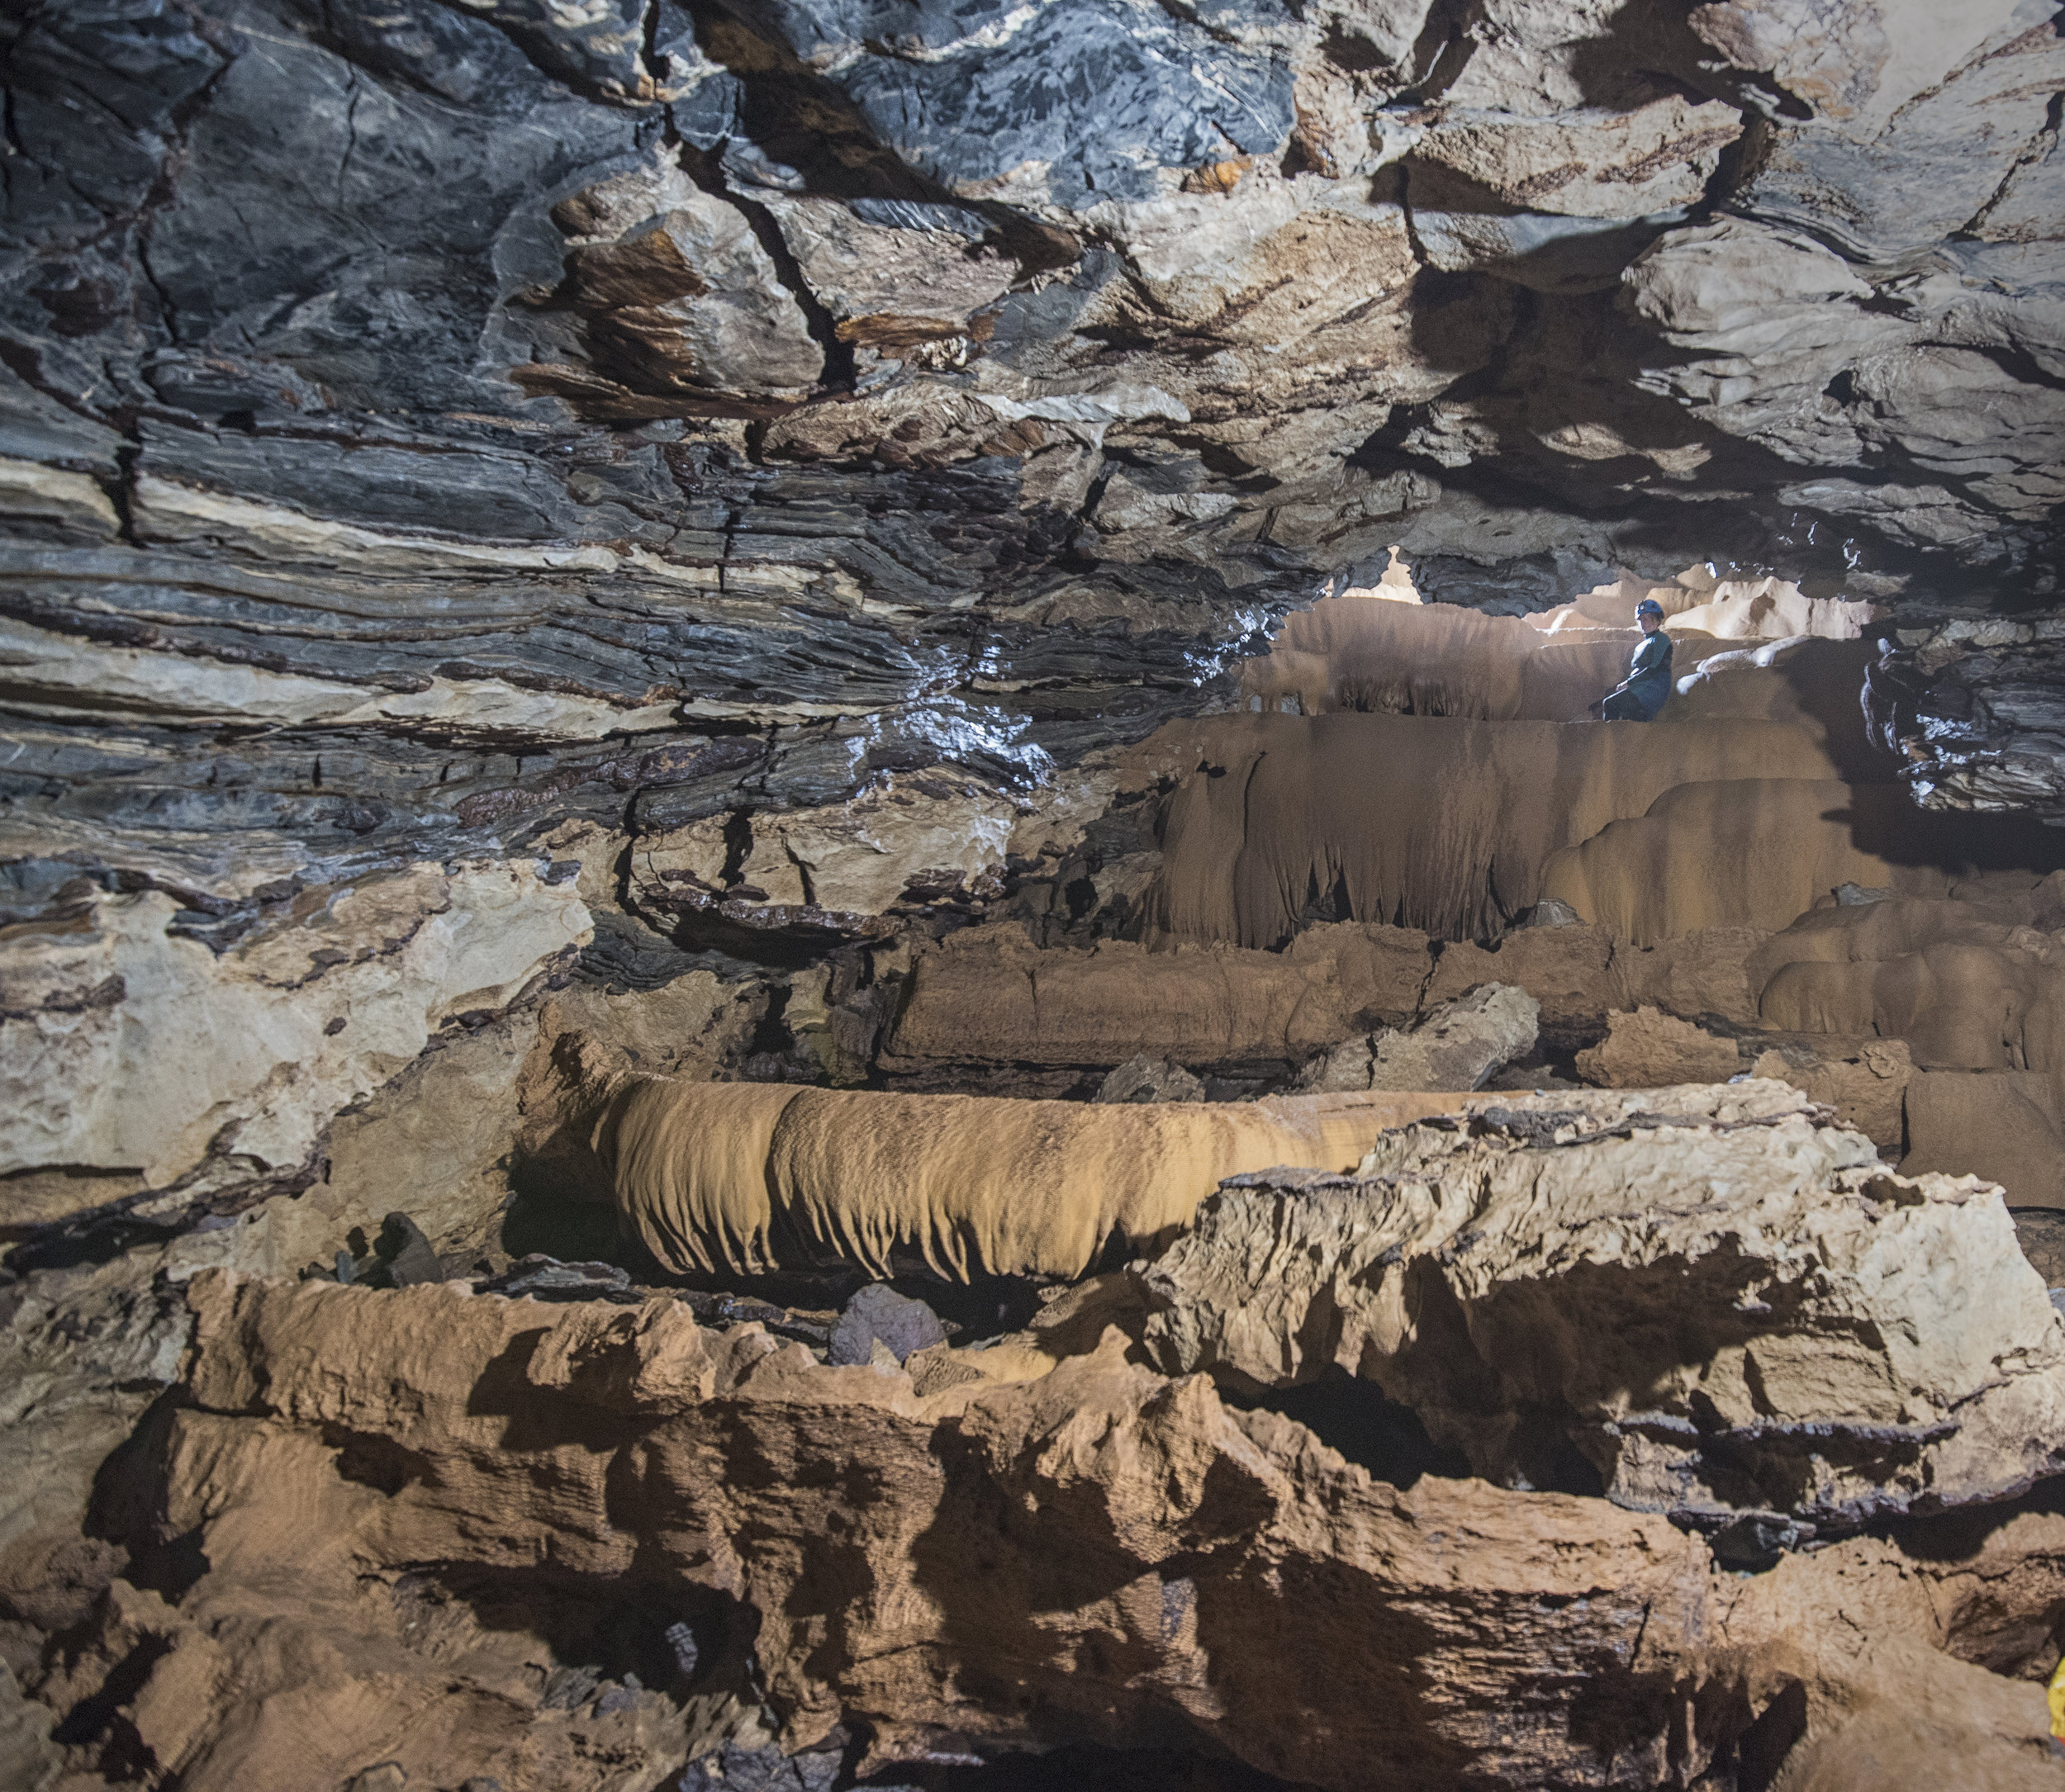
(1032, 896)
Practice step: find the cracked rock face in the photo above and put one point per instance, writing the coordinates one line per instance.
(1721, 1301)
(135, 1050)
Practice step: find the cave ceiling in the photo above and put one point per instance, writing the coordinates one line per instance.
(425, 421)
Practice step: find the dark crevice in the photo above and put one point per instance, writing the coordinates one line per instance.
(1187, 15)
(351, 134)
(649, 43)
(121, 492)
(1440, 53)
(708, 172)
(2039, 148)
(1739, 163)
(2019, 364)
(1355, 1418)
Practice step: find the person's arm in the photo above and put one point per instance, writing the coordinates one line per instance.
(1636, 668)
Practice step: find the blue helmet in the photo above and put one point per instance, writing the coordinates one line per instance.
(1649, 607)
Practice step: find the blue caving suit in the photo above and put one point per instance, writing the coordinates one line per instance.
(1649, 682)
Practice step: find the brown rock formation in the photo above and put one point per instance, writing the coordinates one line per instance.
(1969, 986)
(2002, 1125)
(1382, 648)
(1865, 1082)
(1646, 1049)
(985, 1003)
(860, 1522)
(1741, 852)
(1372, 651)
(1073, 1546)
(555, 553)
(988, 995)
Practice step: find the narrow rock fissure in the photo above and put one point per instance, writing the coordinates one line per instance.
(708, 173)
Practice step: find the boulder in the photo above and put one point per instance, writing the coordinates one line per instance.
(1568, 970)
(1646, 1049)
(131, 1046)
(2003, 1125)
(29, 1759)
(1864, 1081)
(879, 1316)
(1456, 1047)
(1715, 1297)
(1702, 972)
(1143, 1079)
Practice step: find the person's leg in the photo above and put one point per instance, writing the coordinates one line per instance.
(1622, 707)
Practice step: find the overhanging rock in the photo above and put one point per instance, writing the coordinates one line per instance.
(1717, 1296)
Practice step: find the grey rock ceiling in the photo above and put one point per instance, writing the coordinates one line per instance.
(424, 422)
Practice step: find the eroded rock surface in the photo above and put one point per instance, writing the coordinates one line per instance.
(848, 1527)
(1721, 1301)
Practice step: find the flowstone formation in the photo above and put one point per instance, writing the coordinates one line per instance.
(813, 967)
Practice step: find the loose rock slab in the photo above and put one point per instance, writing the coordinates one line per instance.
(1454, 1048)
